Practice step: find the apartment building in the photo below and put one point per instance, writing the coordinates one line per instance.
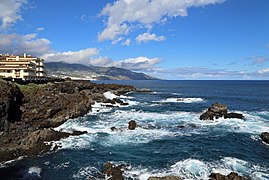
(21, 67)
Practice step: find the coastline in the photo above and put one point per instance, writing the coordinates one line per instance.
(30, 112)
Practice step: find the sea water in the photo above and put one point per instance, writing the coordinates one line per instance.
(170, 139)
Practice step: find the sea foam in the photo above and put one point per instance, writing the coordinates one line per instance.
(181, 100)
(198, 169)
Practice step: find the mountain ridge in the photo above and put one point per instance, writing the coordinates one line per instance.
(80, 71)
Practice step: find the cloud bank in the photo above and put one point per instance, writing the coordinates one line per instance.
(19, 44)
(123, 15)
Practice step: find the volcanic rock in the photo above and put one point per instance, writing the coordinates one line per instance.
(233, 115)
(10, 102)
(132, 125)
(114, 172)
(265, 137)
(231, 176)
(29, 112)
(218, 110)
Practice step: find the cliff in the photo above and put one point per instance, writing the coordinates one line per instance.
(29, 112)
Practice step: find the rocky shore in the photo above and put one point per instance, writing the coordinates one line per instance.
(28, 113)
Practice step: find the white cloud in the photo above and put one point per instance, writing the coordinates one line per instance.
(40, 29)
(82, 56)
(149, 37)
(19, 44)
(263, 71)
(126, 43)
(138, 64)
(99, 61)
(10, 12)
(122, 14)
(117, 40)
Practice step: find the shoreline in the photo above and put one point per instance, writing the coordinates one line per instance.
(30, 112)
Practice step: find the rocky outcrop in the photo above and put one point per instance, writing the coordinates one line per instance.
(165, 178)
(10, 102)
(265, 137)
(28, 113)
(132, 125)
(231, 176)
(114, 172)
(218, 110)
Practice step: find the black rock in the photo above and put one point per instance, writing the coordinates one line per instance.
(233, 115)
(132, 125)
(265, 137)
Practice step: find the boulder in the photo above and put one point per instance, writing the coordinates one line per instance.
(113, 172)
(132, 125)
(218, 110)
(231, 176)
(265, 137)
(233, 115)
(165, 178)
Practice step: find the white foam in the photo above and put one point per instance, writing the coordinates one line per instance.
(110, 95)
(98, 108)
(87, 172)
(197, 169)
(33, 172)
(181, 100)
(252, 124)
(75, 142)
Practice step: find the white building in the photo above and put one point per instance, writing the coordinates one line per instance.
(23, 67)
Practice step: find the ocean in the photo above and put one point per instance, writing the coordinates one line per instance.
(170, 139)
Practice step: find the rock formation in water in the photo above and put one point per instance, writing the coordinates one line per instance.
(29, 112)
(114, 172)
(132, 125)
(265, 137)
(231, 176)
(218, 110)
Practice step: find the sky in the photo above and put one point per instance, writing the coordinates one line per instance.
(168, 39)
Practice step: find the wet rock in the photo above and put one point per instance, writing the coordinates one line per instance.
(231, 176)
(165, 178)
(218, 110)
(113, 128)
(233, 115)
(125, 104)
(113, 172)
(132, 125)
(265, 137)
(77, 133)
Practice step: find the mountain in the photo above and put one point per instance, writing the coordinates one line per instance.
(79, 71)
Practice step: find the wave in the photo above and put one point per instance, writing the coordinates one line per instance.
(181, 100)
(198, 169)
(110, 95)
(152, 126)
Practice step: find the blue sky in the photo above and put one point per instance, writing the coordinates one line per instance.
(175, 39)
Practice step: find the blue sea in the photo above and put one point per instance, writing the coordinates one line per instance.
(170, 139)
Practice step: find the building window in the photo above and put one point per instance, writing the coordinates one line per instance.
(8, 71)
